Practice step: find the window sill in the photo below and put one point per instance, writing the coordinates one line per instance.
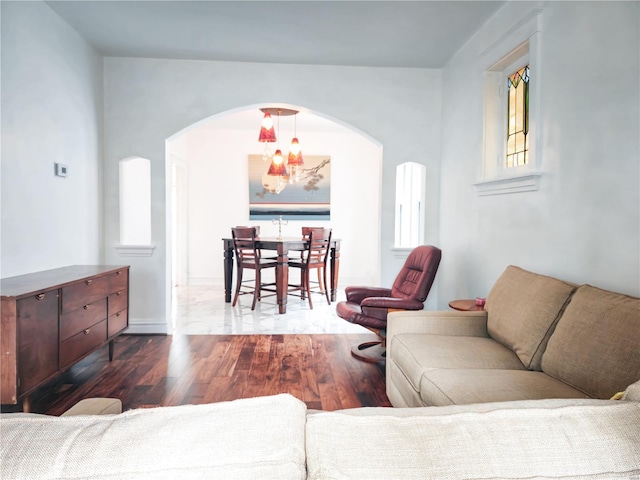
(505, 185)
(135, 250)
(401, 252)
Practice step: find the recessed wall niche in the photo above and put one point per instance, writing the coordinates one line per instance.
(135, 202)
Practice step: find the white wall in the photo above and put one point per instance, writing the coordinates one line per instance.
(583, 225)
(51, 112)
(218, 197)
(149, 100)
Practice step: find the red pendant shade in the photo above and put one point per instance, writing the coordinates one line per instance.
(277, 167)
(295, 155)
(267, 132)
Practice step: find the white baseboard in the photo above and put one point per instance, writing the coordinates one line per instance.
(136, 328)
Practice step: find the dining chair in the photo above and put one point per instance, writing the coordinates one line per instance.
(305, 234)
(256, 229)
(248, 256)
(314, 256)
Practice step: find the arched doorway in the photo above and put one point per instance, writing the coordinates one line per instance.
(207, 168)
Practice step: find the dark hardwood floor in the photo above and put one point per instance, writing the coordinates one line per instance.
(157, 370)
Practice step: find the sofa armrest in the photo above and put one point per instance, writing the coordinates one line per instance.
(95, 406)
(455, 323)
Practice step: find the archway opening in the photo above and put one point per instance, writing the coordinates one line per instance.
(208, 193)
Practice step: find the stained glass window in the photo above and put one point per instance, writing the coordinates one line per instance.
(518, 118)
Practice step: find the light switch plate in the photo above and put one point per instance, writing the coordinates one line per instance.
(61, 169)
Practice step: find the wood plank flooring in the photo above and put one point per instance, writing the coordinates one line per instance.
(155, 370)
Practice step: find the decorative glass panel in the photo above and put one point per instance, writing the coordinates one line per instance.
(518, 117)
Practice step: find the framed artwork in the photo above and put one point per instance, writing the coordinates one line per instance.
(308, 198)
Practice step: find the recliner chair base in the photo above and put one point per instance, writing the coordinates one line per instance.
(372, 352)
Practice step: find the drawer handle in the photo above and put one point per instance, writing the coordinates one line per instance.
(118, 272)
(118, 314)
(88, 282)
(86, 307)
(118, 294)
(40, 296)
(86, 332)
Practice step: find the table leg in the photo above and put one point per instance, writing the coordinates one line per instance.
(282, 277)
(334, 263)
(228, 270)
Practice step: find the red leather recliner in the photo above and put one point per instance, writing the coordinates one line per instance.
(368, 306)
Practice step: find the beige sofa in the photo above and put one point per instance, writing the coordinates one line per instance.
(539, 337)
(277, 438)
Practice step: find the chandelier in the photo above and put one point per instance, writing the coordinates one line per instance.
(277, 167)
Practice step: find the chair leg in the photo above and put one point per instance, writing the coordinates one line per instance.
(308, 287)
(256, 290)
(303, 289)
(238, 285)
(326, 290)
(321, 284)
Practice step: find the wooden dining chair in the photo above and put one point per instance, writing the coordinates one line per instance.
(249, 257)
(314, 256)
(256, 228)
(317, 231)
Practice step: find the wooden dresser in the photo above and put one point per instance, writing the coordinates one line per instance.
(52, 319)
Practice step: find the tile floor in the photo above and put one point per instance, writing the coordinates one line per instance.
(201, 310)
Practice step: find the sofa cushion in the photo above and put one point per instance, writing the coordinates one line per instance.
(596, 344)
(522, 309)
(415, 353)
(551, 439)
(632, 392)
(250, 438)
(399, 390)
(463, 386)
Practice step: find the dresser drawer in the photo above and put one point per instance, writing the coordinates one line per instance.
(37, 321)
(74, 348)
(118, 301)
(78, 320)
(117, 322)
(87, 291)
(118, 280)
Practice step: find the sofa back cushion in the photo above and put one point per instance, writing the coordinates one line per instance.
(596, 344)
(523, 308)
(550, 439)
(250, 438)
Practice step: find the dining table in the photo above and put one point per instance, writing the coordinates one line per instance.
(282, 246)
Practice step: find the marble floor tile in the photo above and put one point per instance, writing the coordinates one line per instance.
(201, 310)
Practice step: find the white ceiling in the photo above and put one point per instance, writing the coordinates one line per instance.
(421, 34)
